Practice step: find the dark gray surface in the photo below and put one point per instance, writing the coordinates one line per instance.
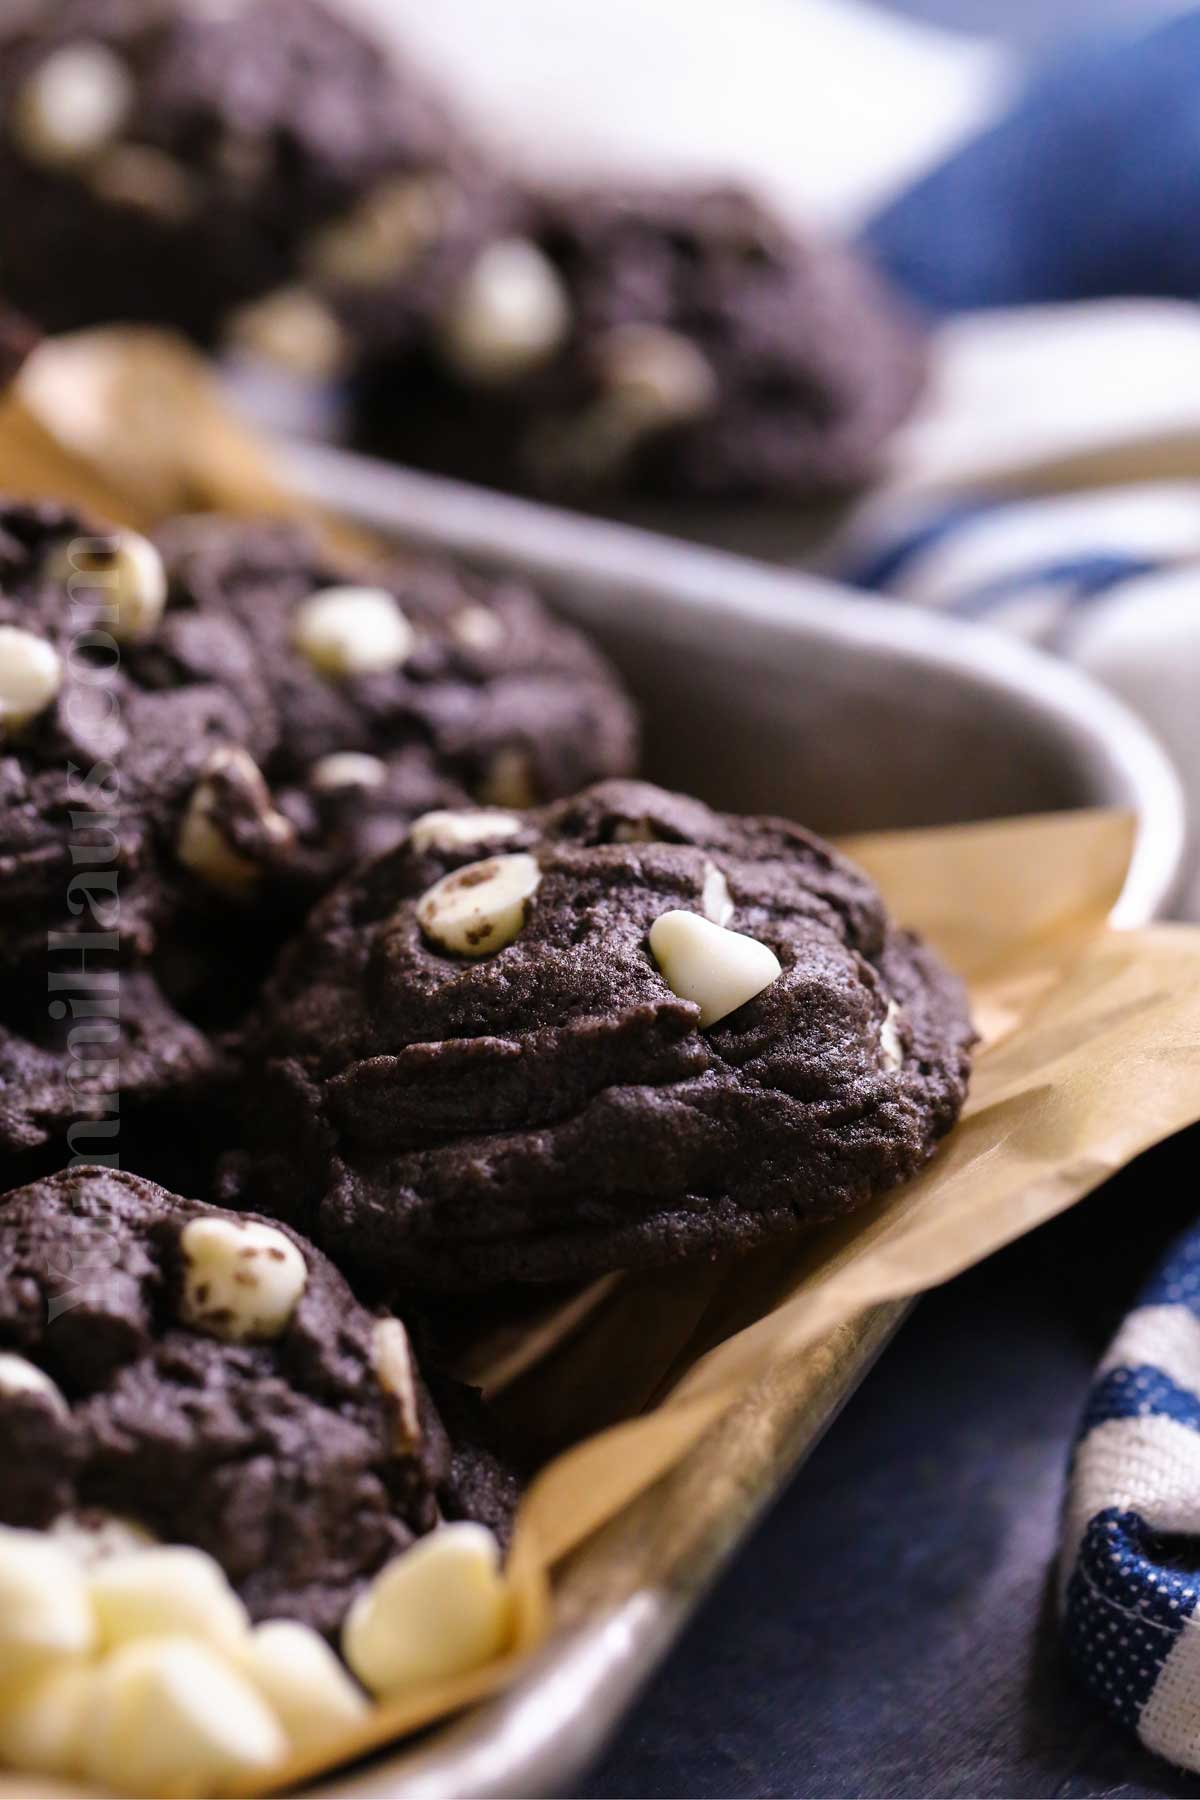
(889, 1630)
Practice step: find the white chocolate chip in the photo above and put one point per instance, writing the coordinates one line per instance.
(388, 231)
(292, 329)
(392, 1359)
(125, 572)
(718, 969)
(441, 1609)
(352, 631)
(715, 898)
(94, 1536)
(167, 1588)
(202, 846)
(45, 1614)
(139, 592)
(347, 768)
(19, 1376)
(651, 379)
(509, 315)
(655, 376)
(42, 1720)
(72, 105)
(889, 1037)
(477, 628)
(477, 910)
(204, 849)
(30, 677)
(509, 780)
(242, 1280)
(449, 830)
(304, 1683)
(171, 1716)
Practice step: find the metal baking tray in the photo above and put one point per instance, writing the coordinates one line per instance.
(764, 690)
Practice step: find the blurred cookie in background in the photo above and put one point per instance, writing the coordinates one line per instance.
(172, 160)
(667, 344)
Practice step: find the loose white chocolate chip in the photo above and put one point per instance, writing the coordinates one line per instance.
(72, 105)
(347, 768)
(242, 1280)
(352, 631)
(30, 677)
(718, 969)
(167, 1588)
(94, 1536)
(889, 1037)
(477, 627)
(292, 329)
(509, 315)
(441, 1609)
(509, 780)
(202, 846)
(393, 1363)
(449, 830)
(656, 377)
(45, 1613)
(477, 910)
(170, 1716)
(715, 897)
(19, 1376)
(139, 590)
(304, 1683)
(389, 229)
(42, 1720)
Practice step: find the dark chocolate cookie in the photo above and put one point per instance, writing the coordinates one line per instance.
(197, 738)
(213, 1380)
(400, 689)
(669, 344)
(626, 1031)
(169, 160)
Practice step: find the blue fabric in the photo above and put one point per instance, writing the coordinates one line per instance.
(1132, 1577)
(1090, 186)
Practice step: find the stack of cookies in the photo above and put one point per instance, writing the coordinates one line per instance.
(330, 901)
(265, 176)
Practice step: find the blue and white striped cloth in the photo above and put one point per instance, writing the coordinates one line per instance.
(1131, 1539)
(1109, 578)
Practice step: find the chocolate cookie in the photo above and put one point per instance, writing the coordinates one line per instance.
(196, 738)
(669, 344)
(170, 160)
(211, 1379)
(400, 689)
(619, 1031)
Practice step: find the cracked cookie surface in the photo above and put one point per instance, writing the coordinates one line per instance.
(552, 1108)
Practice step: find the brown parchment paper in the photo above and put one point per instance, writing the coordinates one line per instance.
(1090, 1054)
